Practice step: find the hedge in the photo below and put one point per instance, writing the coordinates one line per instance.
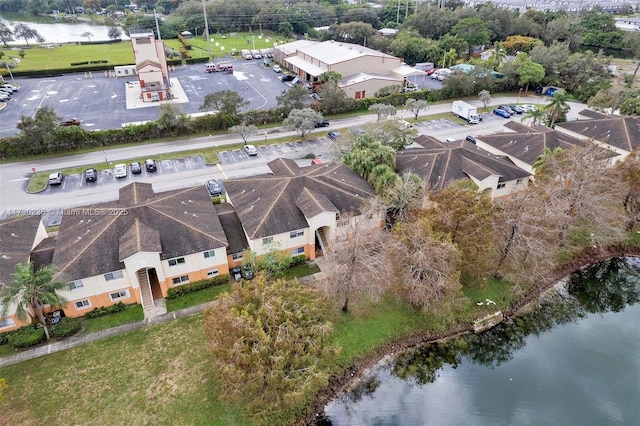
(176, 292)
(99, 312)
(66, 327)
(26, 336)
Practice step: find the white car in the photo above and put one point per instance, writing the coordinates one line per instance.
(528, 107)
(276, 68)
(120, 170)
(250, 150)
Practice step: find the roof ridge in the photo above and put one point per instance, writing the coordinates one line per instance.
(104, 229)
(268, 211)
(313, 197)
(186, 224)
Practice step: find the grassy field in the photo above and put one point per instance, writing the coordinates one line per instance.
(162, 374)
(129, 315)
(120, 53)
(197, 297)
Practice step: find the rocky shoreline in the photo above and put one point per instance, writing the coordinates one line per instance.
(338, 384)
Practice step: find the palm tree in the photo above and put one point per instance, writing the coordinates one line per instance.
(536, 115)
(30, 291)
(557, 107)
(542, 158)
(498, 56)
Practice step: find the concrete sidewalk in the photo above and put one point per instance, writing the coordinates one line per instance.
(72, 342)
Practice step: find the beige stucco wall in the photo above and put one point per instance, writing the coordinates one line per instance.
(196, 266)
(370, 87)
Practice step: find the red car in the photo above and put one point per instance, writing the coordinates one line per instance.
(431, 71)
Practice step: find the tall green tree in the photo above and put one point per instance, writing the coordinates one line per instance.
(536, 116)
(296, 97)
(37, 130)
(473, 31)
(415, 106)
(270, 345)
(226, 102)
(6, 35)
(302, 121)
(528, 71)
(30, 290)
(366, 154)
(27, 33)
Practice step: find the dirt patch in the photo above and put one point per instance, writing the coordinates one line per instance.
(340, 383)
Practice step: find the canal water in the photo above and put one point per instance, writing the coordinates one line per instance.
(574, 361)
(61, 32)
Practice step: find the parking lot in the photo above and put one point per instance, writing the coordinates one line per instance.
(318, 147)
(98, 101)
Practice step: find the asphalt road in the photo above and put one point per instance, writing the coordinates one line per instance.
(14, 176)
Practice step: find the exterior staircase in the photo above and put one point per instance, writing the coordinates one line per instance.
(150, 307)
(322, 239)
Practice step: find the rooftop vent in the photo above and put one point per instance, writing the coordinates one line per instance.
(4, 257)
(14, 235)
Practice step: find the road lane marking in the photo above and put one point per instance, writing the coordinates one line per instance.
(222, 171)
(19, 179)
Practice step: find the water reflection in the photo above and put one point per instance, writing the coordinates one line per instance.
(606, 287)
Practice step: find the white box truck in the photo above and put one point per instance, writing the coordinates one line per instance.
(466, 111)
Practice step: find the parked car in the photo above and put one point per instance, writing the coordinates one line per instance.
(214, 187)
(236, 271)
(135, 168)
(56, 178)
(316, 97)
(507, 109)
(517, 109)
(11, 86)
(250, 150)
(528, 107)
(90, 175)
(333, 135)
(70, 122)
(288, 77)
(7, 89)
(502, 113)
(120, 170)
(431, 71)
(150, 165)
(470, 138)
(247, 272)
(276, 68)
(4, 97)
(320, 123)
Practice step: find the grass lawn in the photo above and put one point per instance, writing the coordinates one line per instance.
(299, 271)
(129, 315)
(157, 375)
(196, 298)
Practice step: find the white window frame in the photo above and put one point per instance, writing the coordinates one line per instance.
(75, 284)
(125, 294)
(83, 307)
(213, 273)
(267, 240)
(501, 185)
(236, 256)
(115, 275)
(7, 322)
(209, 254)
(181, 280)
(296, 234)
(297, 251)
(177, 261)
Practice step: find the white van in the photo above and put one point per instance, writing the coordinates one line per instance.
(441, 74)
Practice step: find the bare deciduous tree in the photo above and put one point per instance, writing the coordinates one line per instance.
(424, 264)
(244, 131)
(355, 259)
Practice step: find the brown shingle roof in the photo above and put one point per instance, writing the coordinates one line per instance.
(620, 132)
(591, 114)
(42, 255)
(139, 237)
(17, 237)
(232, 228)
(439, 166)
(311, 203)
(527, 147)
(266, 204)
(90, 238)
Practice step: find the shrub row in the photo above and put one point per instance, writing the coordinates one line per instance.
(184, 42)
(297, 260)
(100, 61)
(66, 327)
(26, 336)
(176, 292)
(99, 312)
(184, 53)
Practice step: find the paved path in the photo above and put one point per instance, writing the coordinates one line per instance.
(72, 342)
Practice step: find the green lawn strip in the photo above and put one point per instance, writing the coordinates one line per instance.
(197, 297)
(300, 271)
(131, 314)
(157, 375)
(6, 350)
(61, 57)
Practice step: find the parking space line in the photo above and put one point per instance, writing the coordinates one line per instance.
(222, 171)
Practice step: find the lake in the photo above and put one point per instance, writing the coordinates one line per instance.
(574, 361)
(63, 32)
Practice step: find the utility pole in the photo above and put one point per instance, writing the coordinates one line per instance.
(206, 28)
(398, 13)
(155, 15)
